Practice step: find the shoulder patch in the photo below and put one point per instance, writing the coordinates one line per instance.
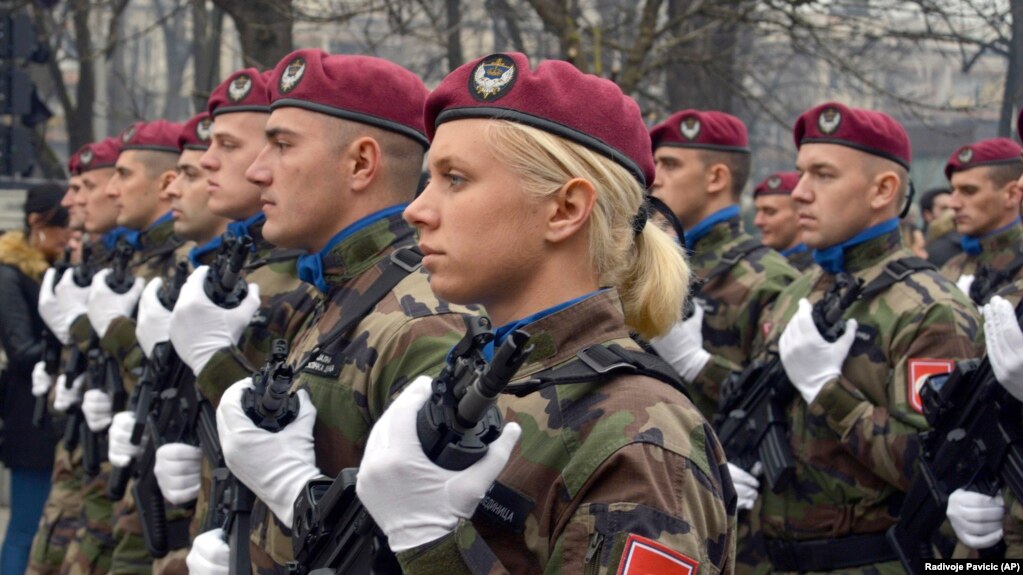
(642, 556)
(919, 370)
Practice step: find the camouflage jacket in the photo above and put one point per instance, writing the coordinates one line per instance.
(407, 334)
(799, 259)
(604, 471)
(733, 302)
(999, 251)
(856, 445)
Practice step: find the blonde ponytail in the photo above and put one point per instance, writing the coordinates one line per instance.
(649, 269)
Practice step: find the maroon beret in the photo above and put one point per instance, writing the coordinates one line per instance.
(702, 129)
(555, 97)
(362, 89)
(781, 183)
(195, 135)
(101, 154)
(874, 133)
(244, 91)
(155, 136)
(983, 153)
(74, 163)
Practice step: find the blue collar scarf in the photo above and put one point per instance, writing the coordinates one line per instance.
(502, 332)
(110, 238)
(135, 236)
(832, 259)
(310, 266)
(701, 229)
(971, 244)
(241, 228)
(199, 251)
(796, 249)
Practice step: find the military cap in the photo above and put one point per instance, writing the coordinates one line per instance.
(362, 89)
(101, 154)
(242, 91)
(555, 97)
(195, 135)
(874, 133)
(704, 129)
(983, 153)
(155, 136)
(781, 183)
(74, 163)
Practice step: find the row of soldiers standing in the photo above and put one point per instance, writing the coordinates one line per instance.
(261, 165)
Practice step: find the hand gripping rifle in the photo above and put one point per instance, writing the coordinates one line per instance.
(75, 364)
(975, 442)
(156, 375)
(333, 532)
(752, 422)
(51, 347)
(104, 371)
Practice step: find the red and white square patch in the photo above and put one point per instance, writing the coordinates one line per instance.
(919, 371)
(643, 556)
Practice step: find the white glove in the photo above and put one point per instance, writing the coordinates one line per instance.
(153, 323)
(210, 554)
(413, 500)
(976, 518)
(177, 472)
(809, 360)
(106, 305)
(275, 466)
(64, 397)
(964, 282)
(60, 306)
(98, 409)
(1004, 345)
(199, 327)
(121, 451)
(746, 485)
(682, 346)
(41, 381)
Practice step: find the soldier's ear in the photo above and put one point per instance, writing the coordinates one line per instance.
(570, 209)
(719, 179)
(885, 191)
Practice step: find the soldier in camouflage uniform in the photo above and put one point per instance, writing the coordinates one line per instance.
(854, 422)
(986, 202)
(776, 218)
(348, 228)
(703, 161)
(61, 532)
(616, 473)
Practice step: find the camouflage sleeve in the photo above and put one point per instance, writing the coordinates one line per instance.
(120, 342)
(81, 333)
(227, 366)
(1013, 525)
(717, 370)
(953, 268)
(670, 507)
(883, 438)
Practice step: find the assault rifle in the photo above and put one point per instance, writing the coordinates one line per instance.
(75, 364)
(752, 422)
(51, 347)
(975, 442)
(333, 532)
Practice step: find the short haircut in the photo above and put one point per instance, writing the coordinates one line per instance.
(157, 163)
(1002, 174)
(738, 164)
(928, 197)
(403, 156)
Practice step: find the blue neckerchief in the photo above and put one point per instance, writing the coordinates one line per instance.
(240, 228)
(199, 251)
(502, 332)
(135, 236)
(796, 249)
(832, 259)
(310, 266)
(701, 229)
(110, 238)
(971, 244)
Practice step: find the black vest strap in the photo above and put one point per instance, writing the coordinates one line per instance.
(894, 272)
(732, 257)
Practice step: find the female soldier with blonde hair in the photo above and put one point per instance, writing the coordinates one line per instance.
(536, 209)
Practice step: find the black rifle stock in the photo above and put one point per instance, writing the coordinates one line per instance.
(333, 531)
(752, 420)
(51, 348)
(975, 442)
(75, 365)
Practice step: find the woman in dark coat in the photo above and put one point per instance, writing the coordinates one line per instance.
(26, 450)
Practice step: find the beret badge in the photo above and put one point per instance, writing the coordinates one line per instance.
(492, 78)
(690, 128)
(829, 120)
(965, 155)
(203, 128)
(292, 74)
(774, 182)
(239, 88)
(128, 134)
(85, 157)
